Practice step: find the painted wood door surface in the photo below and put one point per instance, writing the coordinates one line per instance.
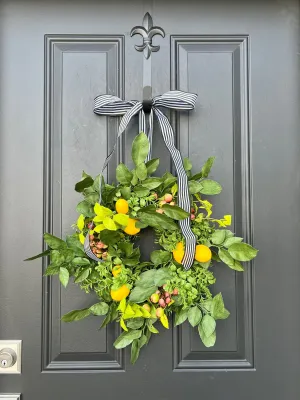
(241, 57)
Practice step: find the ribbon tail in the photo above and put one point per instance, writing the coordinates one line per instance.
(183, 189)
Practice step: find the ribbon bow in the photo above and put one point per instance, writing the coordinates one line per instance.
(176, 100)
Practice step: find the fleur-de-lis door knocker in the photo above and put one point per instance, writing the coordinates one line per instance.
(147, 31)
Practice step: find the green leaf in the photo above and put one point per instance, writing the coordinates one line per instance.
(194, 316)
(152, 329)
(83, 275)
(242, 251)
(158, 221)
(80, 261)
(207, 341)
(121, 219)
(54, 242)
(76, 315)
(131, 261)
(135, 351)
(85, 208)
(140, 293)
(123, 174)
(126, 192)
(99, 308)
(187, 164)
(232, 240)
(160, 257)
(175, 212)
(208, 324)
(141, 191)
(126, 338)
(152, 183)
(74, 244)
(57, 258)
(168, 180)
(92, 198)
(85, 183)
(218, 310)
(135, 179)
(227, 259)
(64, 276)
(43, 254)
(210, 187)
(218, 236)
(109, 224)
(143, 340)
(207, 167)
(140, 148)
(141, 171)
(195, 187)
(135, 323)
(180, 317)
(109, 237)
(152, 165)
(52, 270)
(126, 248)
(146, 279)
(162, 276)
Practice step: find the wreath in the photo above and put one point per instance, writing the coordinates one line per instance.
(141, 295)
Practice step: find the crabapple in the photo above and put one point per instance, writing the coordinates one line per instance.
(168, 197)
(159, 312)
(175, 292)
(193, 217)
(162, 303)
(168, 300)
(154, 298)
(147, 307)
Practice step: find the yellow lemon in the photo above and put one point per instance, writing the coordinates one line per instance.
(120, 293)
(122, 206)
(178, 252)
(116, 270)
(131, 229)
(203, 253)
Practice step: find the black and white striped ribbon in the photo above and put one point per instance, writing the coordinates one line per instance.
(176, 100)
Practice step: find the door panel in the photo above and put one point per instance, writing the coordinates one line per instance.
(241, 59)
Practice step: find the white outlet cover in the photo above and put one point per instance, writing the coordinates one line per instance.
(16, 345)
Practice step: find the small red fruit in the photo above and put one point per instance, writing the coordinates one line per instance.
(193, 217)
(154, 298)
(155, 195)
(167, 294)
(160, 211)
(159, 312)
(193, 210)
(175, 292)
(92, 237)
(147, 307)
(168, 197)
(162, 303)
(161, 203)
(168, 300)
(172, 203)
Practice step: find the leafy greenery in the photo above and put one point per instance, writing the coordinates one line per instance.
(142, 295)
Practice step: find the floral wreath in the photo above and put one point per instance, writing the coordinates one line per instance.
(136, 294)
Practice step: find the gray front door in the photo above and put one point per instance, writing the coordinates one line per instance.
(241, 58)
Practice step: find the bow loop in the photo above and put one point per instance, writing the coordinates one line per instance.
(176, 100)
